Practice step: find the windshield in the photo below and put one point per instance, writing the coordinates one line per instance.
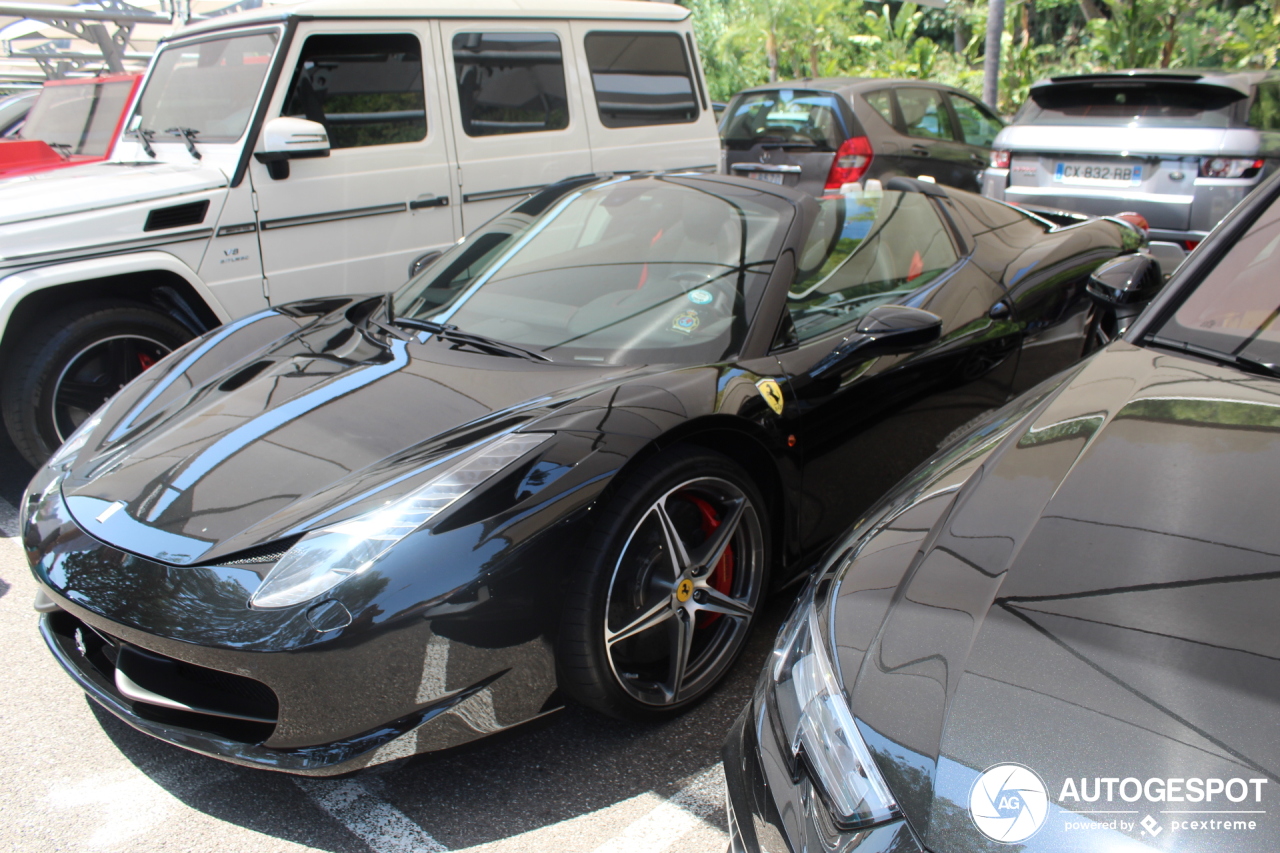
(632, 271)
(80, 117)
(209, 86)
(786, 117)
(1133, 103)
(1235, 311)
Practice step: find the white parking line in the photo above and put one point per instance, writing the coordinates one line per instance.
(673, 819)
(375, 822)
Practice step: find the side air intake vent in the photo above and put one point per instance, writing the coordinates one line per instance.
(176, 216)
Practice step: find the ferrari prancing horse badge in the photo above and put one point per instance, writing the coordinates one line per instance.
(772, 394)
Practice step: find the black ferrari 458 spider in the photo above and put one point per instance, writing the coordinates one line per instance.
(570, 458)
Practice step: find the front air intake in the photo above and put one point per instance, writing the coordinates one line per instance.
(176, 216)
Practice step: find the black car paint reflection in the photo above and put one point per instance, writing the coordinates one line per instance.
(1084, 585)
(242, 441)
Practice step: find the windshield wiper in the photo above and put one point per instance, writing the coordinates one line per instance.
(188, 136)
(450, 332)
(1243, 362)
(145, 137)
(62, 148)
(500, 347)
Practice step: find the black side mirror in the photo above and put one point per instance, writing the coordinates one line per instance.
(886, 330)
(1129, 280)
(422, 262)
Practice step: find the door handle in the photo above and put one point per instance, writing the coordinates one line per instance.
(920, 150)
(978, 159)
(434, 201)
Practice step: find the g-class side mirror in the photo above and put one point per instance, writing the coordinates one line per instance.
(285, 139)
(1129, 280)
(885, 330)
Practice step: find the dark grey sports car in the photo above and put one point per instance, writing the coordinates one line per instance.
(1059, 634)
(569, 458)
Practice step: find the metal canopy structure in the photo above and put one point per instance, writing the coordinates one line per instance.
(54, 39)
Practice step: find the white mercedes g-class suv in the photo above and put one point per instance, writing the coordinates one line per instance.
(320, 148)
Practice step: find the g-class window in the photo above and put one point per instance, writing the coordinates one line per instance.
(641, 79)
(510, 83)
(365, 89)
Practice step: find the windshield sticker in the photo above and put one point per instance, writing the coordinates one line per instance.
(686, 321)
(700, 297)
(1009, 803)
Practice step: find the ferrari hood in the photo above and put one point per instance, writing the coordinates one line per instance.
(94, 186)
(253, 431)
(1085, 658)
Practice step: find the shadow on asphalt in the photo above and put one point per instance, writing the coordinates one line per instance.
(572, 763)
(15, 473)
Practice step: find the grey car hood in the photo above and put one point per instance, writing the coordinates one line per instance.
(1099, 604)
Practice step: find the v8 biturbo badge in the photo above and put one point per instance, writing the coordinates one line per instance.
(772, 394)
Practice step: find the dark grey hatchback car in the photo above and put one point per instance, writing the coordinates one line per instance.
(818, 135)
(1059, 634)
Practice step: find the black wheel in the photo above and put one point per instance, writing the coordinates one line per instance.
(71, 362)
(668, 589)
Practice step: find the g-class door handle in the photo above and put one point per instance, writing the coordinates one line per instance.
(434, 201)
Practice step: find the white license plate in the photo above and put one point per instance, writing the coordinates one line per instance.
(771, 177)
(1098, 174)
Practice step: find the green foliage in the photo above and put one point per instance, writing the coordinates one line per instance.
(748, 42)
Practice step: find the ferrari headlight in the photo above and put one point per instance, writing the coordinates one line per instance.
(325, 557)
(817, 727)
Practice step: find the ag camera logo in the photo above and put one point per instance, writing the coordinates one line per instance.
(1009, 803)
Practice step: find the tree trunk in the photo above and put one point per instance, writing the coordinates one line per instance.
(771, 55)
(1092, 11)
(814, 51)
(991, 59)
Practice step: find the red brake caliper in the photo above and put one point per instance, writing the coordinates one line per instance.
(721, 578)
(145, 361)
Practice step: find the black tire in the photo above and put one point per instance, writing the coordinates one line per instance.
(710, 606)
(72, 361)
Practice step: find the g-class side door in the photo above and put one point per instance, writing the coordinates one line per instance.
(355, 220)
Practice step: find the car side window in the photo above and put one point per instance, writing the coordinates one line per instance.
(510, 83)
(1264, 113)
(365, 89)
(977, 124)
(924, 114)
(865, 249)
(881, 102)
(641, 79)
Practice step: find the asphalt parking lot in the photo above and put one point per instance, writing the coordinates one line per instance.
(78, 779)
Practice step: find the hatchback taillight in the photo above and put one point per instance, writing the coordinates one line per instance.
(1230, 167)
(851, 163)
(1000, 159)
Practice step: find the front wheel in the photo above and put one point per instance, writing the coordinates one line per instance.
(72, 362)
(669, 587)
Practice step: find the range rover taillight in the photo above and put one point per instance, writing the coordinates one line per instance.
(1000, 159)
(851, 163)
(1230, 167)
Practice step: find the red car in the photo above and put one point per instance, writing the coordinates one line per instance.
(71, 122)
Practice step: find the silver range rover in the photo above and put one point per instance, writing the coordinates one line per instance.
(1179, 148)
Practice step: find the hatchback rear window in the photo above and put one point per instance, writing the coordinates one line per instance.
(791, 117)
(1132, 102)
